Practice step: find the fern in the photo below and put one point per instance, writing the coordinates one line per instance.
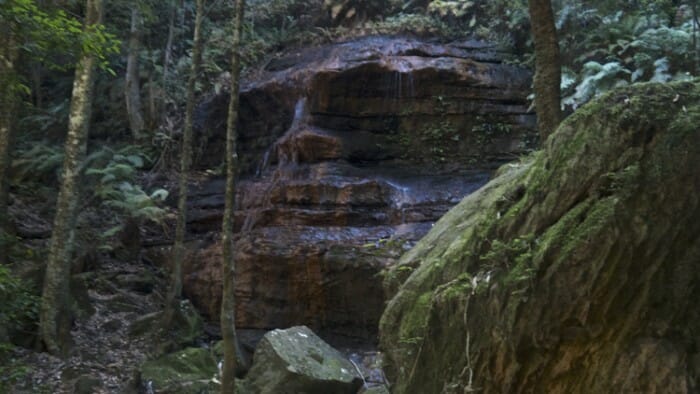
(597, 79)
(132, 200)
(661, 71)
(40, 162)
(114, 175)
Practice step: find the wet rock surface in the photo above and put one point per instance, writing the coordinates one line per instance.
(337, 178)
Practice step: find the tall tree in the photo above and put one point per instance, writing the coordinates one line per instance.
(696, 54)
(132, 91)
(54, 315)
(228, 304)
(174, 294)
(547, 82)
(174, 7)
(8, 101)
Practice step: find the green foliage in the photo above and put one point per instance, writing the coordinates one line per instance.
(113, 174)
(456, 8)
(605, 47)
(11, 370)
(514, 257)
(502, 22)
(596, 79)
(18, 301)
(414, 23)
(19, 308)
(45, 34)
(38, 162)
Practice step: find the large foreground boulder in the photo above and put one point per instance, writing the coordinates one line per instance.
(576, 272)
(296, 361)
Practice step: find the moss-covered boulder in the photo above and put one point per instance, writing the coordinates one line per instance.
(577, 272)
(192, 370)
(187, 327)
(297, 361)
(188, 371)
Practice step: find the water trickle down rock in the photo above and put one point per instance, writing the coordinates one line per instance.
(349, 153)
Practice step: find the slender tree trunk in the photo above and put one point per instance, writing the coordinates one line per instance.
(133, 89)
(547, 82)
(228, 304)
(168, 52)
(171, 305)
(696, 54)
(8, 105)
(54, 315)
(37, 81)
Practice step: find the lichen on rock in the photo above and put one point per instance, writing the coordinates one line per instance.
(297, 361)
(575, 271)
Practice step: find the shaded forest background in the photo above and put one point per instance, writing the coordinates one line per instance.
(144, 51)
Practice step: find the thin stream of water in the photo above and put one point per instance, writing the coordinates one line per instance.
(287, 156)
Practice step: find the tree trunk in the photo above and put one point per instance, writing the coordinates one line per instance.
(547, 67)
(168, 51)
(8, 104)
(54, 315)
(171, 305)
(696, 54)
(228, 304)
(133, 89)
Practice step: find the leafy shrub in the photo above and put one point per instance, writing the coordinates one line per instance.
(608, 47)
(37, 163)
(114, 174)
(19, 309)
(18, 302)
(420, 24)
(597, 78)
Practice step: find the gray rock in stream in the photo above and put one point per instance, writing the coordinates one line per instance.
(297, 361)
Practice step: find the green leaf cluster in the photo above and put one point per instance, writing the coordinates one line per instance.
(115, 185)
(36, 163)
(604, 47)
(19, 308)
(18, 301)
(43, 35)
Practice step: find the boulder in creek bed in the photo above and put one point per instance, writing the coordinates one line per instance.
(576, 272)
(297, 361)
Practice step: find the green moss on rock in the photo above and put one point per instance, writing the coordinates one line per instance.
(296, 360)
(563, 268)
(188, 371)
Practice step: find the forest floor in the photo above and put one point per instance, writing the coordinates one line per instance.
(104, 356)
(113, 293)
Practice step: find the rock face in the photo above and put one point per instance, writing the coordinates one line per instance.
(349, 153)
(296, 361)
(574, 273)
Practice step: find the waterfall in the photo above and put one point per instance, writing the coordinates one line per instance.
(287, 155)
